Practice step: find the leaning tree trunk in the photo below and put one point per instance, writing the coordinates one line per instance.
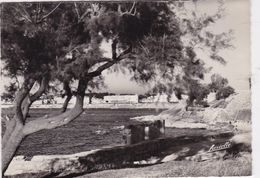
(12, 139)
(16, 128)
(14, 134)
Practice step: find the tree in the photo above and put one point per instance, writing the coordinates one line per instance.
(196, 37)
(217, 82)
(197, 92)
(224, 92)
(48, 42)
(220, 86)
(61, 42)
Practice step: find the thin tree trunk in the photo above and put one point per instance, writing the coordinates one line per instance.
(68, 98)
(11, 146)
(28, 101)
(81, 93)
(90, 99)
(66, 103)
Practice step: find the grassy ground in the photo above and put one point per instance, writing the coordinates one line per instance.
(80, 134)
(233, 167)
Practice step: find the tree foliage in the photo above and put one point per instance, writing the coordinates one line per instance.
(217, 82)
(196, 37)
(10, 91)
(224, 92)
(220, 86)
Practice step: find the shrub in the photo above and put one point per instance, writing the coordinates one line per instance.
(224, 92)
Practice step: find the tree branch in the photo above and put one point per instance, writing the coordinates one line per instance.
(103, 59)
(22, 14)
(45, 16)
(133, 6)
(83, 15)
(26, 15)
(127, 12)
(20, 96)
(30, 99)
(113, 45)
(62, 119)
(17, 81)
(51, 122)
(101, 68)
(41, 90)
(77, 11)
(125, 52)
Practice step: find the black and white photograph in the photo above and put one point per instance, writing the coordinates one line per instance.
(129, 89)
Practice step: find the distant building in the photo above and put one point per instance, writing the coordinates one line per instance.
(121, 99)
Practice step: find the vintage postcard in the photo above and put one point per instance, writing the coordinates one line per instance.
(126, 88)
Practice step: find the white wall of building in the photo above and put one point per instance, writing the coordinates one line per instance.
(121, 99)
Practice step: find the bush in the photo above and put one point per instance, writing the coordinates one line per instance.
(224, 92)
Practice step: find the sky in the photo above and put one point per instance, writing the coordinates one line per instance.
(237, 69)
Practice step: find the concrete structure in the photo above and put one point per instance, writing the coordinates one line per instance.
(148, 130)
(121, 99)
